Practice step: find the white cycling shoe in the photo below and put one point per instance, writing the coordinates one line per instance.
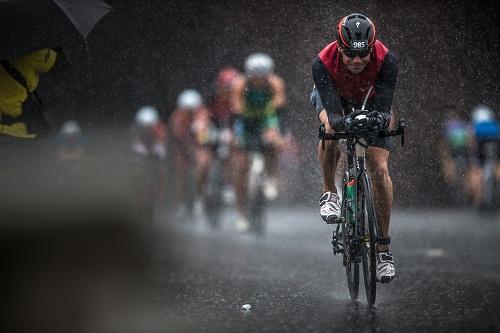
(385, 267)
(242, 224)
(271, 189)
(329, 207)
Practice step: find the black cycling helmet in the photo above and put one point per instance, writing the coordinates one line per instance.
(356, 32)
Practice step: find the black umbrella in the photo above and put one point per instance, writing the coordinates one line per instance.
(28, 25)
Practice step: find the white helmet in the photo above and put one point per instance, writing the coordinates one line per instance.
(259, 64)
(189, 99)
(147, 116)
(70, 128)
(482, 113)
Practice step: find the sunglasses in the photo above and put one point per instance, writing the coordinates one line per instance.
(350, 53)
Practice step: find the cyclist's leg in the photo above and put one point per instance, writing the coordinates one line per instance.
(203, 161)
(377, 162)
(482, 157)
(179, 175)
(475, 184)
(240, 162)
(240, 177)
(328, 159)
(273, 142)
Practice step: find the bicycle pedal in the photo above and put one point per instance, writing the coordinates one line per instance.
(386, 279)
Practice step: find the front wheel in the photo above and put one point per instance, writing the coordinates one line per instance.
(352, 272)
(213, 200)
(256, 213)
(489, 185)
(351, 262)
(367, 223)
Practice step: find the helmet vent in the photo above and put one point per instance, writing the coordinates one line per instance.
(368, 32)
(348, 31)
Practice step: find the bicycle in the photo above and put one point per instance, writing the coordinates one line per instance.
(357, 234)
(489, 151)
(256, 198)
(220, 142)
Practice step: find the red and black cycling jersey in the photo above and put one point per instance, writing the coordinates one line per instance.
(338, 89)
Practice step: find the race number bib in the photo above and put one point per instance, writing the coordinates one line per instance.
(360, 45)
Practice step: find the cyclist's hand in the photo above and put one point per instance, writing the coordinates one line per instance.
(348, 123)
(323, 117)
(377, 120)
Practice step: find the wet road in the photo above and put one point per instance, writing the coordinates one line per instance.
(447, 264)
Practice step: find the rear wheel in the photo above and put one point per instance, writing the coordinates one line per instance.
(367, 223)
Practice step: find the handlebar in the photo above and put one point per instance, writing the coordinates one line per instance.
(363, 133)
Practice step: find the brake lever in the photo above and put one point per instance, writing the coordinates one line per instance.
(402, 125)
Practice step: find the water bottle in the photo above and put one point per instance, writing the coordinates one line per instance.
(351, 197)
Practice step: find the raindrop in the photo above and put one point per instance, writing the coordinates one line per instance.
(435, 253)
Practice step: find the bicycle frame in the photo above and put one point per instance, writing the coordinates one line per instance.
(356, 236)
(356, 169)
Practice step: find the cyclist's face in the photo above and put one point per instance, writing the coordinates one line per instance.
(259, 80)
(356, 64)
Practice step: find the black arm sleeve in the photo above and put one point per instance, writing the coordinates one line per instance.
(328, 95)
(385, 85)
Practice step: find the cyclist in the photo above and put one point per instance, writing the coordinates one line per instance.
(149, 134)
(454, 154)
(222, 117)
(357, 64)
(71, 153)
(485, 137)
(257, 100)
(70, 142)
(189, 128)
(149, 148)
(220, 105)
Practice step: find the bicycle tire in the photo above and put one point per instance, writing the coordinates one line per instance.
(367, 228)
(213, 200)
(489, 151)
(256, 213)
(351, 264)
(488, 185)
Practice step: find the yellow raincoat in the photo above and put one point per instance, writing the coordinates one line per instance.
(13, 94)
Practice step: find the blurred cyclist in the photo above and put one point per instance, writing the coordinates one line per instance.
(149, 134)
(354, 68)
(222, 117)
(189, 128)
(70, 154)
(220, 107)
(70, 142)
(149, 147)
(485, 153)
(454, 155)
(257, 100)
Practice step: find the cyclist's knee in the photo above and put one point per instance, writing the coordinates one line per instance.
(330, 148)
(379, 171)
(329, 145)
(241, 161)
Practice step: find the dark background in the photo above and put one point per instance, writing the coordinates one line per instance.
(146, 52)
